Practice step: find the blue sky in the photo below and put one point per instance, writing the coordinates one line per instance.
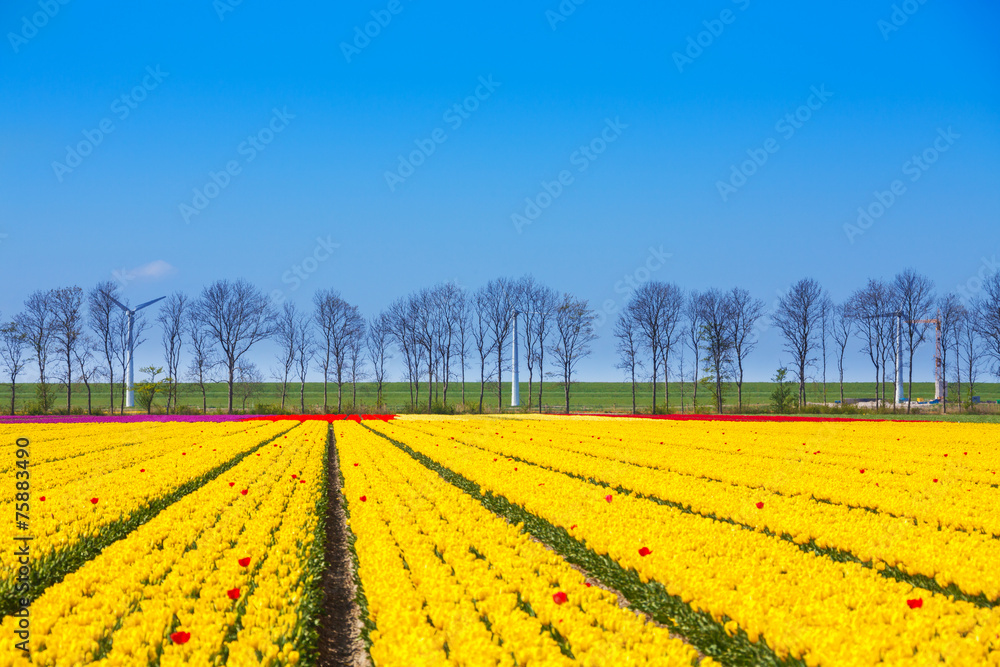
(308, 129)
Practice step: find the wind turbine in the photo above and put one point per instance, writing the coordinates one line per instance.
(130, 312)
(515, 383)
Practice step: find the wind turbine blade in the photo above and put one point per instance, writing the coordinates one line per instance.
(117, 302)
(149, 303)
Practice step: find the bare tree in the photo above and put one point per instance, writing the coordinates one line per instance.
(13, 345)
(463, 318)
(428, 325)
(574, 333)
(67, 325)
(745, 311)
(87, 366)
(544, 302)
(305, 349)
(971, 345)
(238, 316)
(914, 295)
(37, 322)
(338, 323)
(717, 317)
(248, 380)
(105, 319)
(286, 335)
(798, 317)
(356, 358)
(401, 327)
(379, 335)
(842, 325)
(869, 306)
(694, 334)
(171, 318)
(826, 309)
(451, 302)
(502, 295)
(987, 319)
(655, 310)
(203, 357)
(481, 338)
(950, 309)
(628, 346)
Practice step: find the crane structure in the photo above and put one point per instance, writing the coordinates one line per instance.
(940, 386)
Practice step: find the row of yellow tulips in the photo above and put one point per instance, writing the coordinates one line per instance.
(83, 501)
(448, 582)
(802, 605)
(948, 556)
(174, 586)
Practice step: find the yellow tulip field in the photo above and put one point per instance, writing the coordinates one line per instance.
(505, 540)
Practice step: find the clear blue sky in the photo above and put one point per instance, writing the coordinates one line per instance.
(199, 78)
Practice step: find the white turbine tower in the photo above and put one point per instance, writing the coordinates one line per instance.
(515, 384)
(130, 312)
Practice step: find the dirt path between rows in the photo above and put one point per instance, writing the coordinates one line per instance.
(340, 623)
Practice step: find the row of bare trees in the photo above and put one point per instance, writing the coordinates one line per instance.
(718, 330)
(716, 327)
(439, 333)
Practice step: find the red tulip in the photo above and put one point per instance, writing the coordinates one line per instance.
(42, 498)
(572, 527)
(915, 604)
(364, 498)
(862, 471)
(608, 498)
(355, 465)
(935, 479)
(142, 470)
(294, 476)
(232, 484)
(183, 453)
(244, 561)
(559, 597)
(760, 506)
(180, 637)
(233, 593)
(587, 585)
(644, 551)
(244, 491)
(302, 481)
(93, 500)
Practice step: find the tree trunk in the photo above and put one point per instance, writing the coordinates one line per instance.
(567, 392)
(633, 386)
(13, 391)
(232, 365)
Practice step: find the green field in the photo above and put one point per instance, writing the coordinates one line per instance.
(584, 397)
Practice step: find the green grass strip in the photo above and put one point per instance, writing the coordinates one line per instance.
(54, 567)
(699, 628)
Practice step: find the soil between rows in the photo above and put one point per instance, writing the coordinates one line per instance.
(340, 642)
